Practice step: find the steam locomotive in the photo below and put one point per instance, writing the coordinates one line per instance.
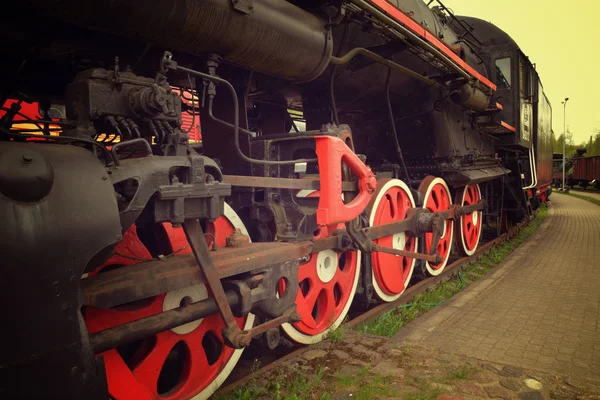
(346, 146)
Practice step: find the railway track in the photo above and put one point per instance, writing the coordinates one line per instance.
(245, 373)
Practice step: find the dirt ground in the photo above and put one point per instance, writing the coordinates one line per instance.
(360, 366)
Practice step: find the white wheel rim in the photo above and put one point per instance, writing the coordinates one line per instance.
(376, 286)
(430, 269)
(302, 338)
(476, 219)
(236, 221)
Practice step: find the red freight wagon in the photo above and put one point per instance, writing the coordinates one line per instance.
(586, 171)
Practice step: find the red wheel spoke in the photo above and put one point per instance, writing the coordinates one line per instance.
(198, 360)
(124, 385)
(307, 270)
(198, 356)
(312, 296)
(330, 307)
(148, 370)
(394, 207)
(342, 282)
(305, 311)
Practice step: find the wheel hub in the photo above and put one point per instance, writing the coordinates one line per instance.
(399, 241)
(183, 297)
(327, 264)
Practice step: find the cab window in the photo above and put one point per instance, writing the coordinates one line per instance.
(503, 76)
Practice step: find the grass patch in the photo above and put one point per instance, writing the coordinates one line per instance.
(302, 385)
(582, 197)
(427, 392)
(344, 380)
(366, 386)
(296, 387)
(336, 335)
(389, 323)
(460, 373)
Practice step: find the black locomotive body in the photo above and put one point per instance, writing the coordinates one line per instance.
(345, 146)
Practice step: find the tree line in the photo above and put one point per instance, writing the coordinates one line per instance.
(592, 146)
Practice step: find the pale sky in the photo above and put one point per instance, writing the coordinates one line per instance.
(563, 39)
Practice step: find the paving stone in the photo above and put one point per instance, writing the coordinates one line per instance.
(370, 341)
(583, 385)
(349, 370)
(497, 392)
(533, 384)
(343, 394)
(350, 339)
(531, 396)
(564, 392)
(442, 387)
(471, 388)
(492, 367)
(444, 358)
(545, 378)
(404, 390)
(388, 368)
(511, 384)
(433, 374)
(510, 371)
(483, 377)
(312, 354)
(342, 355)
(363, 351)
(395, 352)
(357, 362)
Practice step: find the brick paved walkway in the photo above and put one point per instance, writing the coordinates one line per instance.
(539, 310)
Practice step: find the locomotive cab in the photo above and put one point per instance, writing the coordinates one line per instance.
(521, 120)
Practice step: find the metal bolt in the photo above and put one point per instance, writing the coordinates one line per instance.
(27, 159)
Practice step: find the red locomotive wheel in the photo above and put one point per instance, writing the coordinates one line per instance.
(436, 197)
(327, 284)
(469, 228)
(187, 362)
(391, 274)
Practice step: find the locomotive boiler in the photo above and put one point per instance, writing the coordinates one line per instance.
(347, 146)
